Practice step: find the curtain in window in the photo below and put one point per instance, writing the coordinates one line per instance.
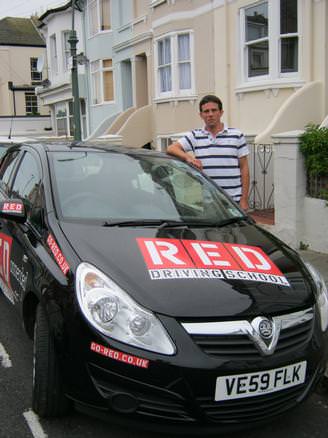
(184, 62)
(164, 62)
(53, 54)
(93, 19)
(105, 14)
(67, 50)
(108, 80)
(95, 74)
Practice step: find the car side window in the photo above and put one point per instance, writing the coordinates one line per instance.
(6, 170)
(27, 186)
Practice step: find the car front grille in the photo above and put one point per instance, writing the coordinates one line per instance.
(243, 347)
(235, 342)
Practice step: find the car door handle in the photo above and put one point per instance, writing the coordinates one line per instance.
(25, 258)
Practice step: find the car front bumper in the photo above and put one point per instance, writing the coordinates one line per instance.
(177, 392)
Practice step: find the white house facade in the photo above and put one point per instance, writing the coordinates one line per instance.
(56, 25)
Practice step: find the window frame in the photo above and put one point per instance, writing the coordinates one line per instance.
(175, 91)
(53, 54)
(274, 39)
(34, 71)
(31, 94)
(97, 27)
(66, 50)
(67, 116)
(99, 73)
(31, 207)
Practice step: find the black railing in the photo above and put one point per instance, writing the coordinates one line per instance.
(261, 170)
(317, 186)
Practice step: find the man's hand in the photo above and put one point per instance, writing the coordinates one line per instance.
(244, 204)
(177, 150)
(194, 162)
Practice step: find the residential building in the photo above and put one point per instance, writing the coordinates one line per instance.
(20, 48)
(109, 72)
(56, 26)
(150, 62)
(267, 60)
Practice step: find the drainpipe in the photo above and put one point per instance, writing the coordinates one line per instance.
(11, 87)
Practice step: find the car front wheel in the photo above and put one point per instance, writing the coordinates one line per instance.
(48, 399)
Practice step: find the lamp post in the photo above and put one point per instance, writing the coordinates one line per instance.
(75, 85)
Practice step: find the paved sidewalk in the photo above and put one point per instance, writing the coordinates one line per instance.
(318, 260)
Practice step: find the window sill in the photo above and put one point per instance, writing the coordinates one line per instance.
(95, 105)
(269, 85)
(100, 32)
(175, 99)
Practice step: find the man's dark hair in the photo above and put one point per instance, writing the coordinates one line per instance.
(210, 98)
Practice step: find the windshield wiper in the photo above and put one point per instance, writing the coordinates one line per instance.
(160, 223)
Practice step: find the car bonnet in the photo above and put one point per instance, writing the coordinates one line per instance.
(232, 271)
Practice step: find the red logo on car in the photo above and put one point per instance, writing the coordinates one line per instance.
(195, 259)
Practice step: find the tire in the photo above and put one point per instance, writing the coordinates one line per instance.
(48, 398)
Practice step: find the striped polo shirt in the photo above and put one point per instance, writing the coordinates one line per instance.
(219, 156)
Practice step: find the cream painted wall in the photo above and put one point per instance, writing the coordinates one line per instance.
(171, 118)
(15, 67)
(182, 115)
(217, 58)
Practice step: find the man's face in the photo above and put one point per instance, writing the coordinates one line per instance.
(211, 114)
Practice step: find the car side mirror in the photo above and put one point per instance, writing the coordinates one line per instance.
(13, 209)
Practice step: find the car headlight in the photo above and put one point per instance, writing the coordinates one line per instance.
(115, 314)
(322, 295)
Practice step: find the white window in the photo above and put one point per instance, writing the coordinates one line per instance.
(62, 122)
(53, 54)
(102, 79)
(36, 76)
(66, 50)
(99, 16)
(31, 104)
(174, 64)
(163, 142)
(270, 40)
(65, 119)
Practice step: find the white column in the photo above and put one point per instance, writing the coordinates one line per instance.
(289, 188)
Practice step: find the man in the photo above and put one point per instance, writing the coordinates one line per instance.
(219, 151)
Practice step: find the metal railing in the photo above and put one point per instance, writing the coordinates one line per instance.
(317, 186)
(261, 176)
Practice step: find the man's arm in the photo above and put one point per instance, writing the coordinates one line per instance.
(244, 171)
(176, 149)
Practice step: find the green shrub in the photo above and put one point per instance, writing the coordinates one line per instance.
(314, 146)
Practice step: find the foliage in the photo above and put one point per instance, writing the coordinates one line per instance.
(303, 246)
(323, 194)
(314, 146)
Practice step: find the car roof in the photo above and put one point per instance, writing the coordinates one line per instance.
(88, 146)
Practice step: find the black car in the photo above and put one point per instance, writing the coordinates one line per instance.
(151, 297)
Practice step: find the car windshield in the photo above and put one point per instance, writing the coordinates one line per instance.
(114, 187)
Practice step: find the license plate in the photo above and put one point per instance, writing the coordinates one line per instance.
(263, 382)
